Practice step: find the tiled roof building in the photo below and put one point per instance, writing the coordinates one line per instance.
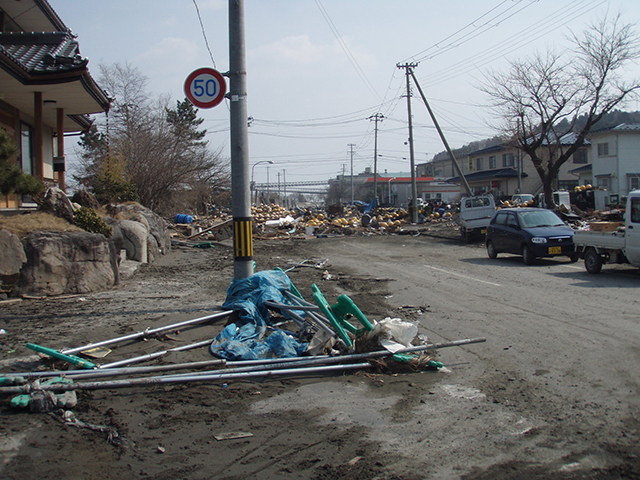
(46, 89)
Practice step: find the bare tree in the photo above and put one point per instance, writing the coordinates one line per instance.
(584, 84)
(163, 151)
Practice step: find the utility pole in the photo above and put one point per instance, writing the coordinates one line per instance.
(376, 118)
(414, 188)
(463, 179)
(344, 168)
(279, 191)
(351, 145)
(268, 187)
(284, 183)
(239, 145)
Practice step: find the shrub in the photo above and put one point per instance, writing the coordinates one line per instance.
(12, 178)
(89, 220)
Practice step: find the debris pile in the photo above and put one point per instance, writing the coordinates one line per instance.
(274, 221)
(271, 331)
(510, 204)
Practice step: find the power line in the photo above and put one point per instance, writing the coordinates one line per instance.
(346, 50)
(458, 42)
(539, 29)
(206, 42)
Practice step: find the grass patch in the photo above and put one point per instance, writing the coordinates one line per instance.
(23, 225)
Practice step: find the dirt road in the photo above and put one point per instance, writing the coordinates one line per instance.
(551, 394)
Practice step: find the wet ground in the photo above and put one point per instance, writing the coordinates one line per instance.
(510, 408)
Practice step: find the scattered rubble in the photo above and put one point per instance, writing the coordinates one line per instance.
(276, 222)
(271, 332)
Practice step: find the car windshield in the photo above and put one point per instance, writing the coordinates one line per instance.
(539, 218)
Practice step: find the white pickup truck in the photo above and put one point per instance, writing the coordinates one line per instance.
(619, 246)
(475, 214)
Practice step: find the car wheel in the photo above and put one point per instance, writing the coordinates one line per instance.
(527, 256)
(491, 250)
(574, 257)
(592, 262)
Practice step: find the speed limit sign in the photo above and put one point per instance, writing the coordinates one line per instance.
(205, 87)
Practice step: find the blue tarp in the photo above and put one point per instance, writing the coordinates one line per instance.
(246, 339)
(372, 205)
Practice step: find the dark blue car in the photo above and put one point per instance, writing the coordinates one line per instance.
(530, 232)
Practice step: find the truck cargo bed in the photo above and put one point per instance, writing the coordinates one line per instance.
(608, 240)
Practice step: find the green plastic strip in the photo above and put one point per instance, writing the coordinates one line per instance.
(61, 356)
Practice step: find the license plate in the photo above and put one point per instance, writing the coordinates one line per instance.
(483, 231)
(555, 250)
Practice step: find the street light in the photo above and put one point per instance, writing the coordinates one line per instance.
(270, 162)
(389, 184)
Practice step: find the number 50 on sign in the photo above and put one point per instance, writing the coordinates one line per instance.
(205, 87)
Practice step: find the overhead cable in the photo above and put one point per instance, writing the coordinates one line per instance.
(204, 34)
(345, 49)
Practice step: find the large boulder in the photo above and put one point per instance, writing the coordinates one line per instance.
(67, 262)
(12, 257)
(135, 240)
(85, 199)
(156, 226)
(57, 202)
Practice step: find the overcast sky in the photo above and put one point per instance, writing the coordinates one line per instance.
(318, 69)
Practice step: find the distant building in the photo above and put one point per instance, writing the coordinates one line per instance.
(394, 188)
(616, 163)
(46, 90)
(503, 170)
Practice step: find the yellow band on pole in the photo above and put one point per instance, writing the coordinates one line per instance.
(243, 238)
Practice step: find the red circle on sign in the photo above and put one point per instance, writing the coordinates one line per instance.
(205, 87)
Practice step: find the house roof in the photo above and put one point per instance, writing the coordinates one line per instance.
(46, 60)
(623, 127)
(487, 174)
(566, 139)
(582, 169)
(42, 55)
(494, 148)
(32, 16)
(399, 179)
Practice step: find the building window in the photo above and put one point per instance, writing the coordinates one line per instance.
(26, 148)
(603, 149)
(634, 181)
(492, 162)
(507, 159)
(567, 184)
(580, 156)
(635, 210)
(479, 165)
(603, 182)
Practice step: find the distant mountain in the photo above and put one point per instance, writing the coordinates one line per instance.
(610, 120)
(470, 147)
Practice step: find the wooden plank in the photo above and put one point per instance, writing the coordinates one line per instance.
(605, 226)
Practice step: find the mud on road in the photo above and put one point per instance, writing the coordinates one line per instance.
(479, 418)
